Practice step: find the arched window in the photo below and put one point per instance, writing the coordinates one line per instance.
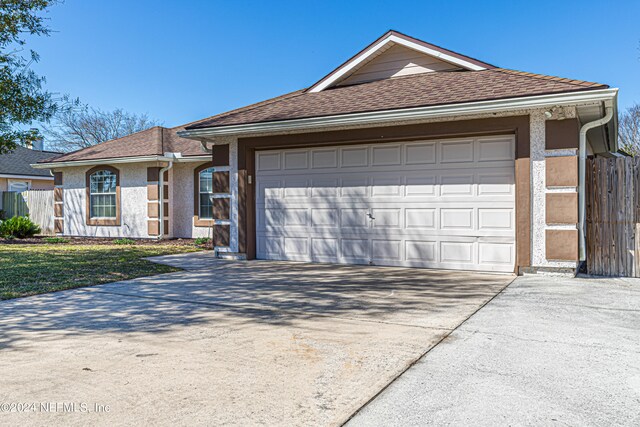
(205, 193)
(103, 196)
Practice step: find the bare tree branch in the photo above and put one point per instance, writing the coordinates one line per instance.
(80, 126)
(629, 130)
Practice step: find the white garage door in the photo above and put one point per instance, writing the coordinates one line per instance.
(440, 204)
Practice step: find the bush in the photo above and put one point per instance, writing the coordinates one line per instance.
(202, 241)
(124, 241)
(56, 240)
(18, 227)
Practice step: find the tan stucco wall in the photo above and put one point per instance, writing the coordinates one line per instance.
(133, 195)
(41, 184)
(181, 202)
(36, 184)
(134, 203)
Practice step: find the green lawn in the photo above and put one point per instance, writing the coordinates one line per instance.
(39, 268)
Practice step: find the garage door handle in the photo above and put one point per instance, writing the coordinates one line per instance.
(370, 216)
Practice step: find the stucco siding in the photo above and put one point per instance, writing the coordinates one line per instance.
(181, 202)
(36, 184)
(41, 184)
(133, 204)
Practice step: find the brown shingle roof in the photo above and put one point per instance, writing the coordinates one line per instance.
(418, 90)
(154, 141)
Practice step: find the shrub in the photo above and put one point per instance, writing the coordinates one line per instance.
(19, 227)
(56, 240)
(124, 241)
(202, 241)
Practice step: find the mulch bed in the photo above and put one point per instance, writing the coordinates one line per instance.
(40, 240)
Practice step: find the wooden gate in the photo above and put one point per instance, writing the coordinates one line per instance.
(613, 216)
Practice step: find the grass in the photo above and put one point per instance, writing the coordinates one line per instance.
(36, 269)
(56, 240)
(124, 241)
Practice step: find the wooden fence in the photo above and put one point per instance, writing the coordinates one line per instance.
(613, 216)
(38, 204)
(13, 204)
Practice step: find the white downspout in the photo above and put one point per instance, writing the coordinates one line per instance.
(582, 175)
(161, 197)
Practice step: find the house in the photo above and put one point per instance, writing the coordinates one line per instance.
(407, 154)
(16, 173)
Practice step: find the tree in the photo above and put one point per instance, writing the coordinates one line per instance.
(629, 130)
(83, 126)
(22, 99)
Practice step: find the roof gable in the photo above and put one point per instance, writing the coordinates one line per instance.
(395, 54)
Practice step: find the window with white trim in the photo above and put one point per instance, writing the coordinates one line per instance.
(102, 194)
(205, 178)
(18, 186)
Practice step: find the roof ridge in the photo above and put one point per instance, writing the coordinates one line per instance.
(576, 82)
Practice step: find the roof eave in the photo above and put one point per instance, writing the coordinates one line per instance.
(25, 176)
(119, 160)
(435, 111)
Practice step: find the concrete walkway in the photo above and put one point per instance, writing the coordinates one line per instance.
(227, 343)
(547, 351)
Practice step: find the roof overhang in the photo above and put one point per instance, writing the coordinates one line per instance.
(603, 139)
(121, 160)
(407, 114)
(14, 176)
(393, 37)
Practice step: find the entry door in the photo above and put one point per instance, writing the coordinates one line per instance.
(439, 204)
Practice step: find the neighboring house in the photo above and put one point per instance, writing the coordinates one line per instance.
(407, 154)
(16, 173)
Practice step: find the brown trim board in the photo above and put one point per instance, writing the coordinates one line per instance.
(518, 125)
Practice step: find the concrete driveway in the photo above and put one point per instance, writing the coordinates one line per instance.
(546, 351)
(226, 342)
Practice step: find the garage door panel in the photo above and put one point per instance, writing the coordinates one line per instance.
(386, 250)
(355, 248)
(295, 160)
(441, 204)
(268, 161)
(421, 186)
(496, 253)
(324, 248)
(492, 219)
(354, 157)
(386, 155)
(326, 158)
(350, 218)
(294, 246)
(386, 218)
(386, 186)
(495, 149)
(458, 151)
(354, 186)
(421, 250)
(420, 153)
(420, 218)
(456, 252)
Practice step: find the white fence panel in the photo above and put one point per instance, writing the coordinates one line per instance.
(40, 203)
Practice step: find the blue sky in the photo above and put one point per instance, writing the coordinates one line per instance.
(180, 61)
